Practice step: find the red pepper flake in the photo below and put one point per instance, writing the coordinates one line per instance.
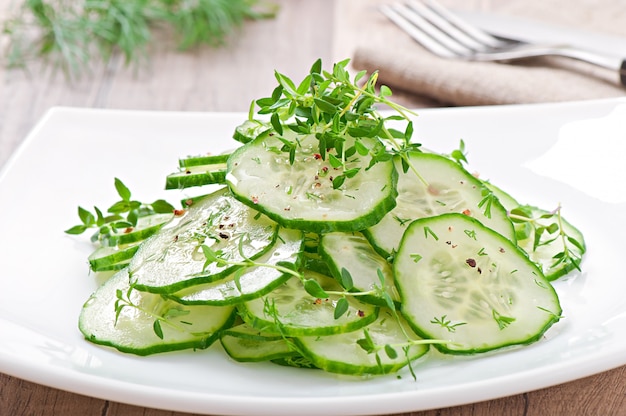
(179, 212)
(501, 250)
(128, 230)
(325, 169)
(467, 212)
(360, 313)
(471, 262)
(255, 199)
(175, 238)
(223, 236)
(317, 156)
(189, 202)
(317, 302)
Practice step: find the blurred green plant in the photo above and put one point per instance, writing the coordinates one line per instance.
(68, 34)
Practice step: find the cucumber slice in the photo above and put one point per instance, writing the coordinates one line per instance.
(546, 247)
(146, 226)
(203, 160)
(247, 284)
(133, 329)
(448, 188)
(250, 130)
(197, 176)
(301, 195)
(108, 258)
(342, 354)
(352, 251)
(246, 344)
(173, 259)
(462, 281)
(299, 314)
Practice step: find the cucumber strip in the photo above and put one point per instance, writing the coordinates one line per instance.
(244, 330)
(245, 349)
(199, 175)
(134, 329)
(352, 251)
(191, 161)
(461, 281)
(250, 130)
(342, 353)
(448, 187)
(250, 283)
(108, 258)
(146, 226)
(546, 248)
(173, 259)
(291, 311)
(302, 194)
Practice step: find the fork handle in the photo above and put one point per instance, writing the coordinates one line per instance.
(605, 61)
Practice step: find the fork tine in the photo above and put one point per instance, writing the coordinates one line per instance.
(466, 31)
(424, 32)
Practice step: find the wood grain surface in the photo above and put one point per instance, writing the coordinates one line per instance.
(227, 79)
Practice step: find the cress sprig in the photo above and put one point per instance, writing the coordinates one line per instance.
(545, 229)
(122, 215)
(332, 106)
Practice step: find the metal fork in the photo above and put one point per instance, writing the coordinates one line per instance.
(446, 35)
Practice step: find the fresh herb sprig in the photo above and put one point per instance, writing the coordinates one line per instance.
(332, 106)
(163, 314)
(311, 286)
(122, 215)
(70, 34)
(548, 228)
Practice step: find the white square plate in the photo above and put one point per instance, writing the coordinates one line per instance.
(543, 155)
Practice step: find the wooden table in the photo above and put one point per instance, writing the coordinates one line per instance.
(227, 79)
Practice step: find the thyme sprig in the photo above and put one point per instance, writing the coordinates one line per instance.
(70, 34)
(311, 286)
(122, 215)
(332, 106)
(167, 316)
(548, 228)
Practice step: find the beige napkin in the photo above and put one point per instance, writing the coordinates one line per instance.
(409, 69)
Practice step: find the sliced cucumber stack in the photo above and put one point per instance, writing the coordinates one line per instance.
(335, 244)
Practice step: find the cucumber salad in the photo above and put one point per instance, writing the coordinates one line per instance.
(329, 238)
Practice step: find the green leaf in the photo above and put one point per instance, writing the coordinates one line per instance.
(122, 190)
(334, 161)
(325, 106)
(366, 343)
(391, 352)
(77, 229)
(338, 181)
(316, 68)
(346, 279)
(86, 217)
(276, 124)
(385, 91)
(341, 308)
(313, 288)
(162, 207)
(119, 207)
(158, 331)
